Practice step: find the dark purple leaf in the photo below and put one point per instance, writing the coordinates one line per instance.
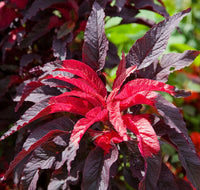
(166, 179)
(183, 185)
(144, 21)
(152, 172)
(150, 5)
(176, 61)
(112, 57)
(39, 5)
(128, 13)
(154, 42)
(172, 116)
(45, 108)
(133, 182)
(96, 172)
(59, 47)
(187, 155)
(41, 136)
(27, 59)
(95, 42)
(120, 4)
(38, 30)
(42, 158)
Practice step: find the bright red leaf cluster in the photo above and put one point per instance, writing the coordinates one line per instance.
(75, 131)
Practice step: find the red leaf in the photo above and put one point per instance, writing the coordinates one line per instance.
(139, 85)
(84, 71)
(115, 115)
(106, 139)
(81, 84)
(19, 4)
(7, 15)
(38, 143)
(30, 87)
(44, 108)
(141, 127)
(122, 73)
(79, 130)
(147, 98)
(64, 97)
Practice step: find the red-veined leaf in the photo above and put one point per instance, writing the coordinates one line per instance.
(25, 152)
(63, 97)
(147, 98)
(95, 42)
(122, 73)
(115, 114)
(82, 70)
(141, 127)
(41, 109)
(81, 84)
(139, 85)
(94, 115)
(40, 136)
(30, 87)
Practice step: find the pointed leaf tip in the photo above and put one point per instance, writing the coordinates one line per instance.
(154, 42)
(95, 42)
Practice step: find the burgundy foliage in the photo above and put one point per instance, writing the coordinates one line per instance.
(74, 132)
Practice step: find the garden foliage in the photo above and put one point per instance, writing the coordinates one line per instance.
(75, 133)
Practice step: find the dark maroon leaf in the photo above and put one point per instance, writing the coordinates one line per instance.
(41, 136)
(176, 61)
(150, 5)
(38, 30)
(133, 182)
(172, 116)
(39, 5)
(128, 13)
(59, 47)
(153, 43)
(42, 158)
(112, 59)
(152, 172)
(96, 172)
(120, 4)
(95, 42)
(187, 155)
(166, 179)
(183, 185)
(27, 59)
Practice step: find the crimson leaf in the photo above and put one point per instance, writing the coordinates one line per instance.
(95, 42)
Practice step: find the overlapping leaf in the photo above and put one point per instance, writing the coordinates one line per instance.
(154, 42)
